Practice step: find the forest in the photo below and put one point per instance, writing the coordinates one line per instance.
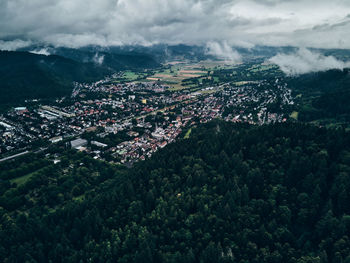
(226, 193)
(24, 75)
(324, 96)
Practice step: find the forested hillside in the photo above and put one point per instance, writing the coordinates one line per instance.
(324, 96)
(26, 76)
(116, 59)
(228, 193)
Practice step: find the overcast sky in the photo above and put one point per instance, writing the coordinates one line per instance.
(76, 23)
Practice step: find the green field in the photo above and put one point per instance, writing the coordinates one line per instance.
(21, 180)
(294, 115)
(130, 76)
(177, 87)
(214, 65)
(261, 67)
(188, 133)
(175, 74)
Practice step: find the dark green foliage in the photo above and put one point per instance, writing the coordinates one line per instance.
(324, 95)
(114, 59)
(229, 193)
(334, 103)
(26, 76)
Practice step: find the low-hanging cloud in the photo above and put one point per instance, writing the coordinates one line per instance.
(98, 59)
(13, 44)
(42, 51)
(223, 51)
(305, 61)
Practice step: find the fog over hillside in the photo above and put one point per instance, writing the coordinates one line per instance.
(305, 61)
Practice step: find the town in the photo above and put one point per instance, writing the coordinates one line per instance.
(126, 122)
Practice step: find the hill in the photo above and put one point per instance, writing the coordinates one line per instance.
(228, 193)
(116, 60)
(27, 76)
(24, 75)
(324, 96)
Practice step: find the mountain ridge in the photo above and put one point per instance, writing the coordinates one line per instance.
(24, 75)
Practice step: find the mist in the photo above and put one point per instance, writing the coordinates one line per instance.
(306, 61)
(98, 59)
(13, 44)
(223, 51)
(43, 51)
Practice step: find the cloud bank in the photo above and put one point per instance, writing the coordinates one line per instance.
(306, 61)
(243, 23)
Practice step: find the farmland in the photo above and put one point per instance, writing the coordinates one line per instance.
(130, 75)
(174, 74)
(185, 75)
(194, 76)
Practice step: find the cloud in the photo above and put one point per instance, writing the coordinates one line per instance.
(98, 59)
(305, 61)
(43, 51)
(14, 44)
(116, 22)
(223, 51)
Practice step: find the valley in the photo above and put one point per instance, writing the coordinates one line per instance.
(212, 155)
(132, 115)
(198, 131)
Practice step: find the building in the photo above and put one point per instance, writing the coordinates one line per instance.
(99, 144)
(20, 108)
(7, 126)
(76, 144)
(56, 139)
(58, 112)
